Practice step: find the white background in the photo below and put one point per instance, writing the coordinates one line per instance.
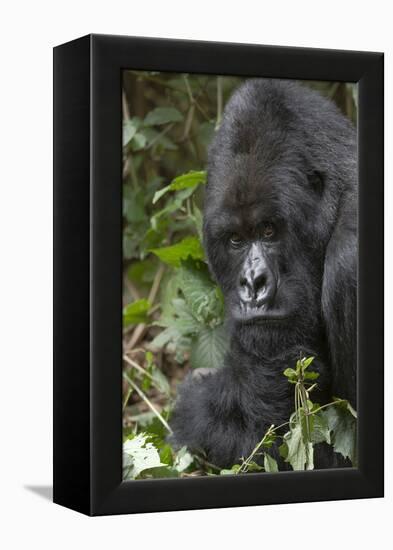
(28, 31)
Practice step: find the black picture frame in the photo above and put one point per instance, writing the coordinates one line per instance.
(88, 281)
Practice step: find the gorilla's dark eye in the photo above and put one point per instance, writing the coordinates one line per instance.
(236, 240)
(268, 230)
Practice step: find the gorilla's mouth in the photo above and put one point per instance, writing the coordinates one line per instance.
(265, 319)
(255, 315)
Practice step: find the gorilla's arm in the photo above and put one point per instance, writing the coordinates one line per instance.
(339, 301)
(209, 417)
(225, 413)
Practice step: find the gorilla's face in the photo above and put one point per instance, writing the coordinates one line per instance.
(266, 253)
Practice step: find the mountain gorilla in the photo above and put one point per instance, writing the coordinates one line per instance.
(280, 234)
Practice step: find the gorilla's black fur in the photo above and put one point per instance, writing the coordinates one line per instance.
(280, 233)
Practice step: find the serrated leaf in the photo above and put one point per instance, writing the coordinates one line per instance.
(270, 464)
(164, 337)
(183, 460)
(181, 319)
(139, 454)
(162, 115)
(173, 255)
(209, 348)
(320, 431)
(342, 424)
(191, 179)
(202, 295)
(136, 312)
(300, 452)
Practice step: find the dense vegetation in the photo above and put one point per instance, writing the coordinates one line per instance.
(173, 312)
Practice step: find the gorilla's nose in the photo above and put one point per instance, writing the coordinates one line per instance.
(257, 283)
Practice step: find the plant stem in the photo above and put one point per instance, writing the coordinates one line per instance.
(132, 363)
(245, 463)
(147, 401)
(127, 398)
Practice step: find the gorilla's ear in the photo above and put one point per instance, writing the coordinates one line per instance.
(339, 297)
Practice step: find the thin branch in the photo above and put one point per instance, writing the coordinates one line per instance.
(135, 365)
(160, 135)
(148, 402)
(126, 111)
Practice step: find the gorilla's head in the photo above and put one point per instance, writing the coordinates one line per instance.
(281, 183)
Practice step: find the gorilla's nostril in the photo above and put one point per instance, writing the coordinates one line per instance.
(260, 282)
(243, 281)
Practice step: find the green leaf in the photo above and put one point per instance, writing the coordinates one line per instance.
(320, 431)
(283, 450)
(300, 453)
(181, 318)
(162, 115)
(130, 128)
(346, 404)
(139, 454)
(185, 181)
(172, 255)
(269, 440)
(166, 456)
(183, 460)
(136, 312)
(291, 375)
(163, 338)
(142, 272)
(158, 472)
(209, 348)
(235, 468)
(173, 206)
(157, 139)
(307, 362)
(270, 464)
(133, 205)
(138, 141)
(342, 424)
(202, 295)
(310, 375)
(254, 467)
(197, 218)
(160, 381)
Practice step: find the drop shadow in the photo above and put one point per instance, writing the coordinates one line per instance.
(44, 491)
